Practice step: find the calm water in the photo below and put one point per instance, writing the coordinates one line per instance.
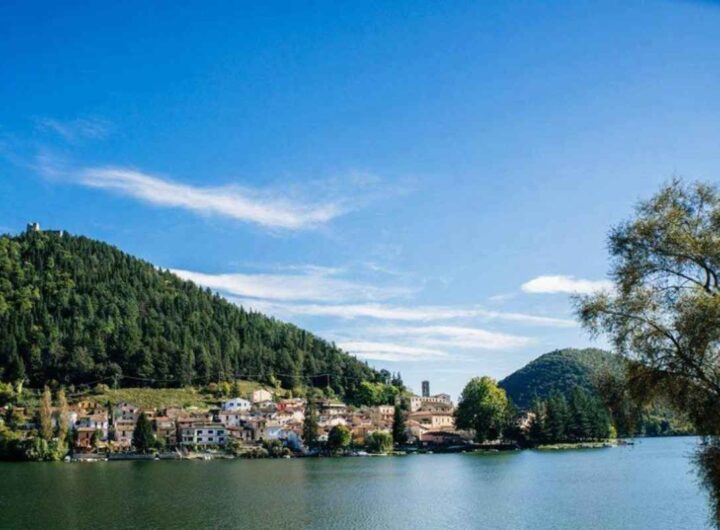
(650, 486)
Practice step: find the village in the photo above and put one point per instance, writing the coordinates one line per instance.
(239, 425)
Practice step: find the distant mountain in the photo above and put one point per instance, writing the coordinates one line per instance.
(559, 371)
(79, 311)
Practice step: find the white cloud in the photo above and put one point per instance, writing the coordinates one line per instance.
(387, 351)
(404, 313)
(228, 201)
(74, 130)
(315, 284)
(426, 343)
(564, 284)
(455, 337)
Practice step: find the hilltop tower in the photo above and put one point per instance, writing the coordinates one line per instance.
(426, 389)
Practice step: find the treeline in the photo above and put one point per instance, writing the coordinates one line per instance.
(485, 409)
(581, 418)
(78, 311)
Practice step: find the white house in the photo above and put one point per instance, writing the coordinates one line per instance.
(204, 435)
(237, 404)
(96, 422)
(287, 436)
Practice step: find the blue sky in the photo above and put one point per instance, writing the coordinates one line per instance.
(422, 182)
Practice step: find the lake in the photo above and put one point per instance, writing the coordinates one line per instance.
(651, 485)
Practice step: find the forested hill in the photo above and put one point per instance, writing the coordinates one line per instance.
(77, 310)
(559, 371)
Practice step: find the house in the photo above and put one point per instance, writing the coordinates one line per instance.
(126, 412)
(438, 403)
(260, 395)
(244, 433)
(204, 435)
(97, 422)
(288, 436)
(84, 437)
(327, 407)
(266, 406)
(233, 418)
(193, 418)
(422, 422)
(237, 404)
(85, 406)
(165, 430)
(382, 416)
(123, 432)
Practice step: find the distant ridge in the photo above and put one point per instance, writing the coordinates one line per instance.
(559, 371)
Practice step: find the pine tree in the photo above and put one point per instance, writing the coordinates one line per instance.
(143, 438)
(537, 431)
(310, 425)
(580, 427)
(398, 428)
(556, 419)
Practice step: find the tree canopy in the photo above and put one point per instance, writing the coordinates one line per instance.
(664, 310)
(79, 311)
(484, 408)
(143, 439)
(339, 438)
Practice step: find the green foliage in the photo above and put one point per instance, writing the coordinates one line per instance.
(77, 311)
(664, 313)
(379, 442)
(7, 394)
(40, 449)
(484, 408)
(310, 425)
(581, 418)
(45, 415)
(339, 438)
(399, 434)
(598, 373)
(143, 438)
(275, 449)
(63, 415)
(559, 371)
(373, 394)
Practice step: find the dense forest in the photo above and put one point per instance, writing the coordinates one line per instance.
(560, 371)
(556, 377)
(78, 311)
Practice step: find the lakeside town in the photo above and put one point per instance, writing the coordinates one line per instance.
(258, 423)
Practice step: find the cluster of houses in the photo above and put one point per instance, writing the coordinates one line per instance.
(260, 417)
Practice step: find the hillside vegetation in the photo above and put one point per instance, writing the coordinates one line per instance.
(78, 311)
(559, 371)
(557, 376)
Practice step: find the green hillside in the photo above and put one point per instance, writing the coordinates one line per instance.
(79, 311)
(559, 371)
(602, 375)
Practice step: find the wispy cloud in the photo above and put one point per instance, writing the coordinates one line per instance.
(229, 201)
(390, 352)
(454, 337)
(404, 313)
(314, 284)
(74, 130)
(427, 343)
(564, 284)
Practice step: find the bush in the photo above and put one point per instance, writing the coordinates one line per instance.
(379, 442)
